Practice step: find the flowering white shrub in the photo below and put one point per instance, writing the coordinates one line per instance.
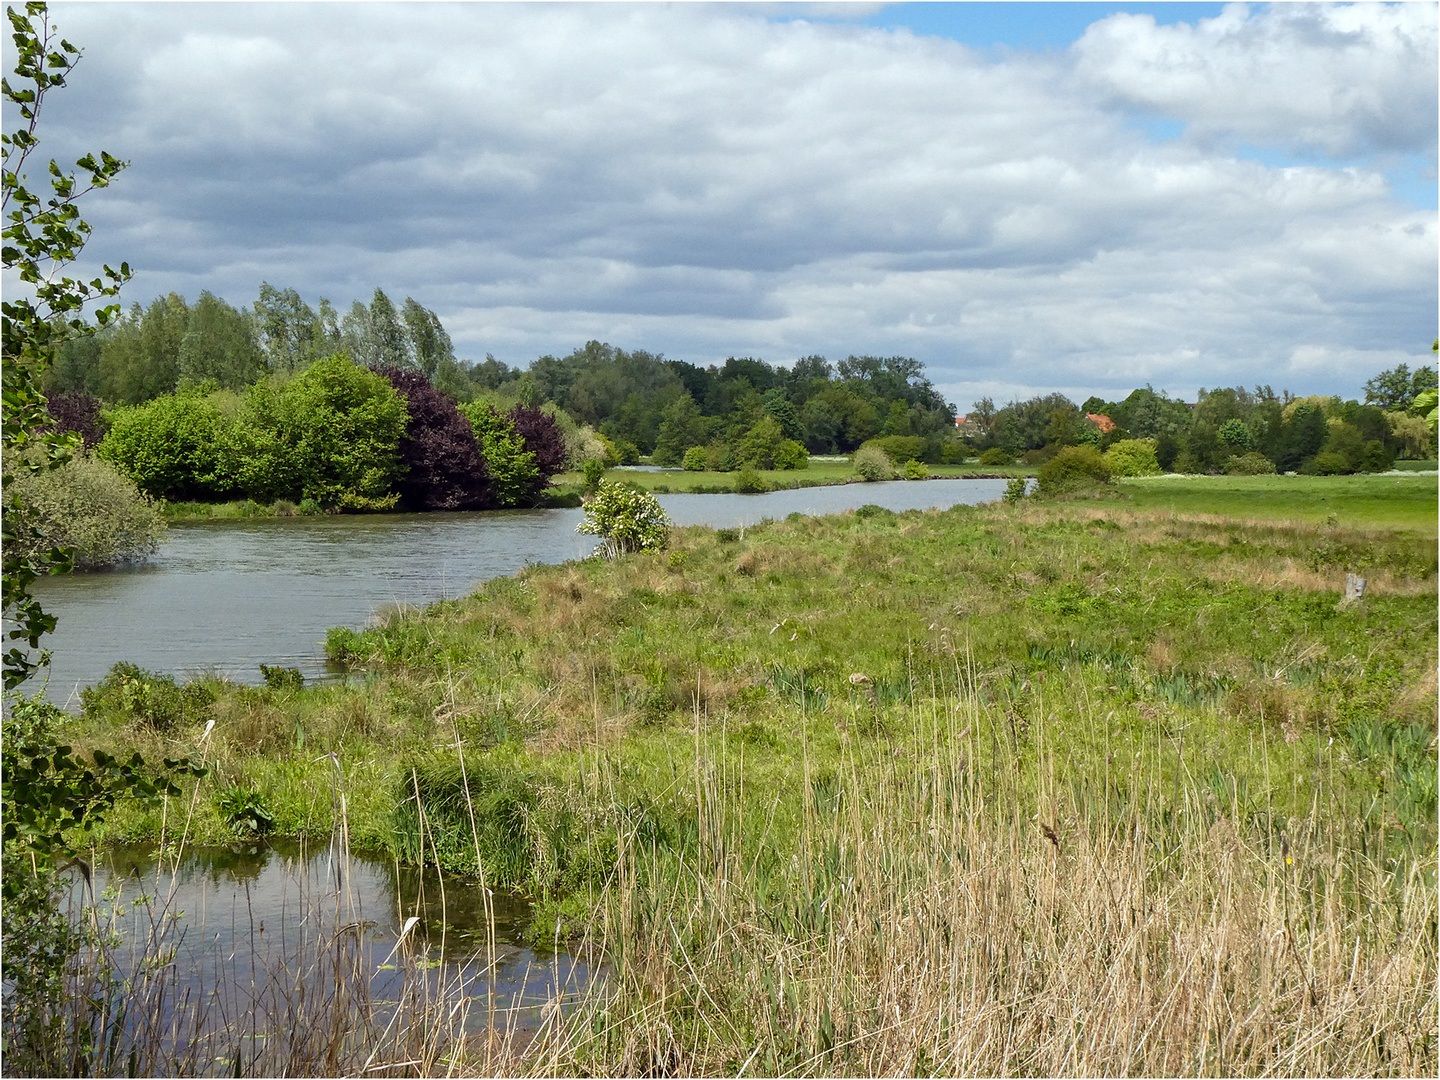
(626, 519)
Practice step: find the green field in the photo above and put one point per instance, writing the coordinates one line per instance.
(1036, 779)
(1375, 501)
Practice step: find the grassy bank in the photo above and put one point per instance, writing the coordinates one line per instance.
(1074, 788)
(1385, 501)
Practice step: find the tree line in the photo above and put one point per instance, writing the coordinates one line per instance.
(372, 410)
(1231, 430)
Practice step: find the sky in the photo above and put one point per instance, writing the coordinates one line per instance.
(1027, 197)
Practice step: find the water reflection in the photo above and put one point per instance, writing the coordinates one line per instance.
(243, 923)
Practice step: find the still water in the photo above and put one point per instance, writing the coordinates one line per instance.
(225, 597)
(245, 928)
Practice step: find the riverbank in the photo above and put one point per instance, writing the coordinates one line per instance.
(567, 490)
(1033, 778)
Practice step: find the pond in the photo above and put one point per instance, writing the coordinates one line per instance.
(245, 933)
(225, 597)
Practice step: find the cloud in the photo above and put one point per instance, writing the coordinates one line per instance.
(703, 182)
(1341, 79)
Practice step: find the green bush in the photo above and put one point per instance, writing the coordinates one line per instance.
(1074, 469)
(791, 455)
(88, 506)
(694, 460)
(750, 482)
(331, 434)
(997, 456)
(176, 447)
(872, 464)
(1016, 489)
(1132, 457)
(1328, 463)
(905, 447)
(916, 471)
(593, 470)
(512, 468)
(1251, 464)
(129, 693)
(626, 519)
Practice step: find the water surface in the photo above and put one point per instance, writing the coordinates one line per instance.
(227, 596)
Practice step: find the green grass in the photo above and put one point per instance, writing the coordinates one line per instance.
(824, 752)
(816, 474)
(1374, 501)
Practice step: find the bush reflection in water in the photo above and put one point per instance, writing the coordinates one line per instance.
(273, 958)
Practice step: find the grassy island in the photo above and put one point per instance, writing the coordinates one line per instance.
(1057, 787)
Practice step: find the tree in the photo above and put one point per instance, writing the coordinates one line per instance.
(443, 467)
(1390, 389)
(290, 332)
(544, 441)
(42, 236)
(512, 468)
(219, 344)
(429, 343)
(175, 447)
(331, 434)
(46, 792)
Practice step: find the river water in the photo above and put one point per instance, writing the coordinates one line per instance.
(227, 596)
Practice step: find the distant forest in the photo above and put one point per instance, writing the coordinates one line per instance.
(621, 405)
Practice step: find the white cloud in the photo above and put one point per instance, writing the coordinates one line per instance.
(1343, 79)
(697, 181)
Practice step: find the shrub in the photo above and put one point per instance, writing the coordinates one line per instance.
(872, 464)
(750, 482)
(88, 506)
(129, 693)
(593, 470)
(175, 447)
(1376, 456)
(513, 472)
(77, 412)
(581, 444)
(439, 451)
(1074, 469)
(331, 434)
(1132, 457)
(309, 508)
(904, 447)
(1328, 463)
(694, 460)
(915, 471)
(1252, 464)
(1187, 464)
(1016, 489)
(791, 455)
(544, 440)
(626, 519)
(997, 456)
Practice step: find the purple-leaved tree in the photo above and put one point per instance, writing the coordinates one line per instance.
(444, 469)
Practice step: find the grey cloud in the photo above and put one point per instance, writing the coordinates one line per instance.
(700, 182)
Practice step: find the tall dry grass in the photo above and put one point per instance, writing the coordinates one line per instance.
(939, 918)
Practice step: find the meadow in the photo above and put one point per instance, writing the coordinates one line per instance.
(1109, 785)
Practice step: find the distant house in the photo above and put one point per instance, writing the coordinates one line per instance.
(1103, 422)
(961, 421)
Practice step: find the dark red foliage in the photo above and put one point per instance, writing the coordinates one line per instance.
(77, 411)
(444, 468)
(543, 438)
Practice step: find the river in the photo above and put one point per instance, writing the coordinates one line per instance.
(226, 596)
